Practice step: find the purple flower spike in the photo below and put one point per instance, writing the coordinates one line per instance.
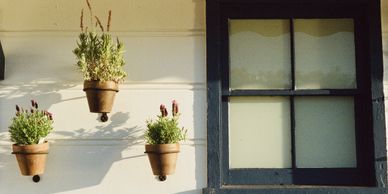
(175, 108)
(17, 108)
(163, 110)
(34, 104)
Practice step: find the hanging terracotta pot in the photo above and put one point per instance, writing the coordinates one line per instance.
(100, 95)
(162, 158)
(31, 158)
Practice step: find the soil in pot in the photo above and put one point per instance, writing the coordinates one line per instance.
(31, 158)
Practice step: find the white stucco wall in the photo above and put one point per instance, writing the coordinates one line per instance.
(165, 43)
(165, 57)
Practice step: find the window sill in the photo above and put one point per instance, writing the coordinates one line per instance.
(293, 189)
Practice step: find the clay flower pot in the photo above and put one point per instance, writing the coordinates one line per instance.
(162, 158)
(100, 95)
(31, 158)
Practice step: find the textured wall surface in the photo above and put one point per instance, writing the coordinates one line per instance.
(165, 54)
(165, 43)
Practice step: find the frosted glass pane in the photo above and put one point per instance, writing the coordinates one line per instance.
(259, 54)
(259, 132)
(324, 132)
(324, 54)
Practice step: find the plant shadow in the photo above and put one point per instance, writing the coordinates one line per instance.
(89, 154)
(82, 158)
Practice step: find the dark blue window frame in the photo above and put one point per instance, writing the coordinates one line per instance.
(371, 149)
(2, 63)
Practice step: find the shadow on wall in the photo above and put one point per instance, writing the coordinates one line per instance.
(82, 154)
(46, 94)
(85, 157)
(89, 159)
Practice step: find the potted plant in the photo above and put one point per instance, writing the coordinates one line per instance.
(28, 130)
(101, 61)
(162, 137)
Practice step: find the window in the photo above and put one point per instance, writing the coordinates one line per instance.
(291, 96)
(292, 87)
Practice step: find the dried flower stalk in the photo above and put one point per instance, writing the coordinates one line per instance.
(99, 23)
(90, 11)
(109, 19)
(82, 20)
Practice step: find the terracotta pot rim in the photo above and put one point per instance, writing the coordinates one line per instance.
(97, 85)
(161, 144)
(162, 148)
(100, 81)
(44, 146)
(45, 142)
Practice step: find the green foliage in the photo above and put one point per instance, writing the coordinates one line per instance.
(165, 130)
(30, 126)
(99, 58)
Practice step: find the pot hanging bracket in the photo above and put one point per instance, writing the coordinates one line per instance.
(104, 117)
(162, 177)
(36, 178)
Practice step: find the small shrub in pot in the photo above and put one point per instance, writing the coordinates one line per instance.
(101, 61)
(28, 130)
(162, 137)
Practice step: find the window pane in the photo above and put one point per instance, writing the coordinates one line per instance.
(259, 132)
(324, 53)
(259, 54)
(325, 132)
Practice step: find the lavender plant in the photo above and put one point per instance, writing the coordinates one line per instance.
(165, 130)
(99, 58)
(30, 126)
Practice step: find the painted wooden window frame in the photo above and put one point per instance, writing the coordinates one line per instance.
(371, 143)
(294, 175)
(2, 63)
